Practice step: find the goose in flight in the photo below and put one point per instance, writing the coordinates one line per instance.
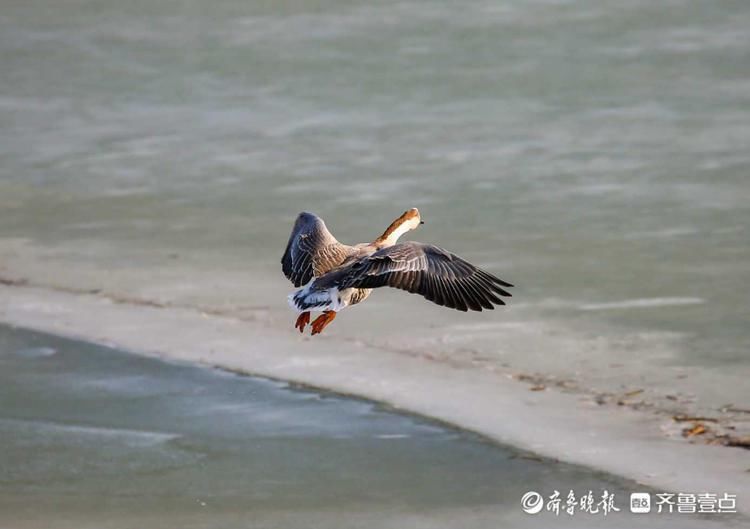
(345, 275)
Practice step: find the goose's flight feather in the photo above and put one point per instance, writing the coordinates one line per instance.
(311, 250)
(424, 269)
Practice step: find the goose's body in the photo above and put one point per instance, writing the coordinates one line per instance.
(346, 275)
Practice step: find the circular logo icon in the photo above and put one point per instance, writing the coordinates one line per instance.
(532, 502)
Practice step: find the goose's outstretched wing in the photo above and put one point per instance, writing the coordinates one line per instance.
(311, 250)
(436, 274)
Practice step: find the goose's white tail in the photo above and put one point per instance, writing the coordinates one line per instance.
(306, 299)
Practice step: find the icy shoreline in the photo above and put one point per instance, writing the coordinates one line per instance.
(551, 423)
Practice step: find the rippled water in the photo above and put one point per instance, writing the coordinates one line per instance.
(595, 153)
(94, 437)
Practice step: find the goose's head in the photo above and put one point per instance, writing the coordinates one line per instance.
(410, 220)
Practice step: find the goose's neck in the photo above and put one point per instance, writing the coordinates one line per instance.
(390, 236)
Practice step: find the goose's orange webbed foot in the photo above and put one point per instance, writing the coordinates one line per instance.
(302, 320)
(322, 321)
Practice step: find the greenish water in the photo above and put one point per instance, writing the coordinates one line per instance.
(594, 153)
(95, 437)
